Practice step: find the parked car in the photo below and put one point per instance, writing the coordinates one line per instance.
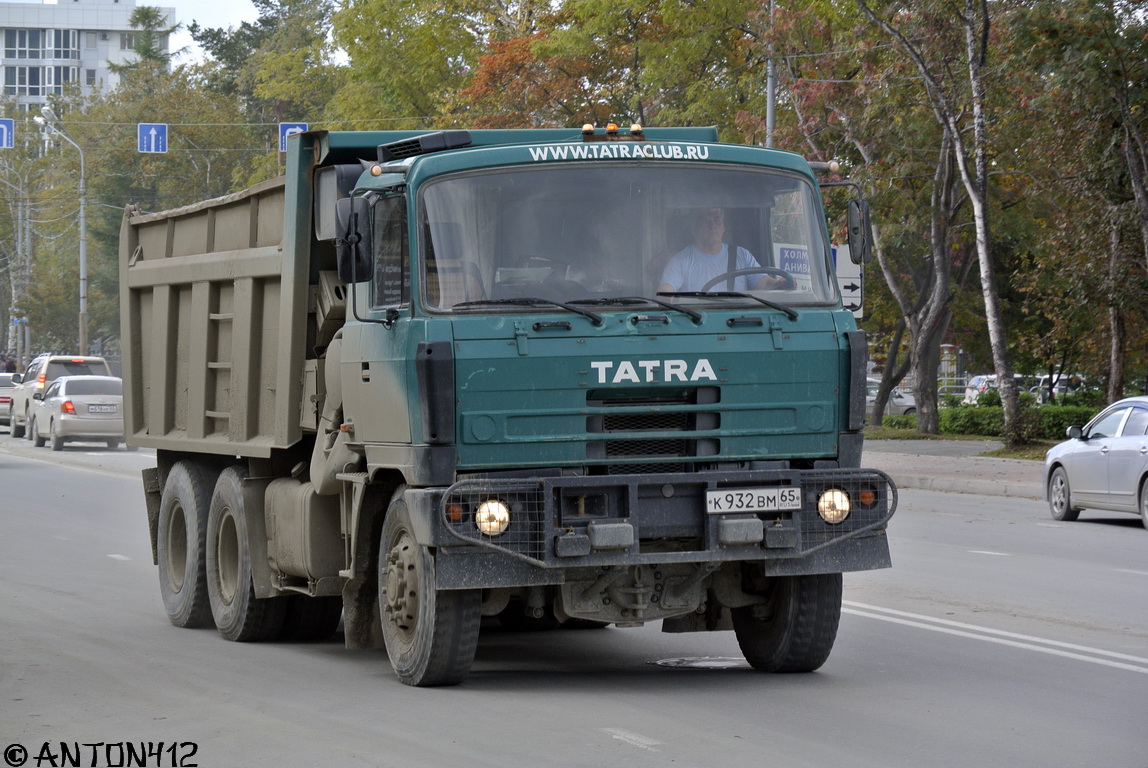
(978, 385)
(41, 372)
(1065, 383)
(6, 387)
(79, 408)
(1103, 465)
(900, 403)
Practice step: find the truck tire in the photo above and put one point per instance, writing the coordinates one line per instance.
(180, 552)
(431, 635)
(238, 614)
(795, 629)
(311, 619)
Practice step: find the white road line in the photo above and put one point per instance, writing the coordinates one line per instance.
(1011, 639)
(119, 557)
(1129, 570)
(986, 552)
(633, 739)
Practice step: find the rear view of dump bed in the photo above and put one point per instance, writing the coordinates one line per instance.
(213, 341)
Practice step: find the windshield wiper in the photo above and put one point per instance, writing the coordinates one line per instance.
(789, 311)
(695, 316)
(530, 301)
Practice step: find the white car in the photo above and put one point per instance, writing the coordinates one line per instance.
(6, 387)
(1103, 465)
(41, 372)
(79, 408)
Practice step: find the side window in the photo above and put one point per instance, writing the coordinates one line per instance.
(1137, 423)
(1108, 424)
(391, 280)
(52, 390)
(33, 371)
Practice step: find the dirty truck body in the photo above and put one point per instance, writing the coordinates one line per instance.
(428, 377)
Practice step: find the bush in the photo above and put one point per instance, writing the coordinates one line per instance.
(1047, 422)
(907, 421)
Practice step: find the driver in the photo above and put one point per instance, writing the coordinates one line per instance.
(695, 265)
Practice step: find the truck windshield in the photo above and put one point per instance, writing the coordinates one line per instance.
(577, 232)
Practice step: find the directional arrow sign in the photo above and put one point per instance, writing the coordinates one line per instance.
(151, 138)
(289, 129)
(850, 280)
(7, 133)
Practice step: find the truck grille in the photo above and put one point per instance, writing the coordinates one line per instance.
(627, 418)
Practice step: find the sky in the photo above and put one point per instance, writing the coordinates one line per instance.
(209, 13)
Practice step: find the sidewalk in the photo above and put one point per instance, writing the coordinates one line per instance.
(952, 465)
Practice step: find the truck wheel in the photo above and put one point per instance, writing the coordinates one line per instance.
(794, 630)
(1060, 497)
(239, 615)
(431, 635)
(311, 619)
(180, 545)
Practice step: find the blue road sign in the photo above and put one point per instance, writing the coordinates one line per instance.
(7, 131)
(289, 129)
(151, 138)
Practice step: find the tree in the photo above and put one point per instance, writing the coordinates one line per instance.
(149, 42)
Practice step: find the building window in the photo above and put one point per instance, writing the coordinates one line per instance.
(23, 43)
(127, 42)
(65, 43)
(58, 77)
(89, 77)
(90, 40)
(24, 81)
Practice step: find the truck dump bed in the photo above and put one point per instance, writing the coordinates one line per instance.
(214, 321)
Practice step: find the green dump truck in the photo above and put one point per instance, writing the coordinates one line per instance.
(431, 377)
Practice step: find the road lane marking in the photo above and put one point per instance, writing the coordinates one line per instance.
(1134, 573)
(119, 557)
(633, 739)
(1000, 637)
(986, 552)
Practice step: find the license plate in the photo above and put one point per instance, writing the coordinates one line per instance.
(101, 409)
(753, 500)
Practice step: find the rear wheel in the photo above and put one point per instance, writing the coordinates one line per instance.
(14, 429)
(431, 635)
(1060, 497)
(1144, 502)
(54, 438)
(794, 630)
(180, 545)
(38, 440)
(238, 614)
(113, 443)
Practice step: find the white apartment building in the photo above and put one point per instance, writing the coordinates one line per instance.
(51, 44)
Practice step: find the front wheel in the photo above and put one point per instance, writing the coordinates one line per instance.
(431, 635)
(1060, 497)
(794, 629)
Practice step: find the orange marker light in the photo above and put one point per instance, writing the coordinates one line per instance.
(454, 512)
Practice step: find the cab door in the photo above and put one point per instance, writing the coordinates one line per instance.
(1088, 471)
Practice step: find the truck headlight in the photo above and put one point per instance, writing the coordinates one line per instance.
(492, 517)
(833, 506)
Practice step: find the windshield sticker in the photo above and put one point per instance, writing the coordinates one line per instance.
(794, 259)
(620, 151)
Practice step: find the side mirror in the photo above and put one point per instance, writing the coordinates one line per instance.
(353, 239)
(37, 395)
(17, 378)
(858, 215)
(1075, 433)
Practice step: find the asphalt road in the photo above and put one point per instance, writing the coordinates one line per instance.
(999, 638)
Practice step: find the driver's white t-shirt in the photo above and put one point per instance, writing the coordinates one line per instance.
(690, 269)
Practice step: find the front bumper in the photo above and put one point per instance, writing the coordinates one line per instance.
(576, 522)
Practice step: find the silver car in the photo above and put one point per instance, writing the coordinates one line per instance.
(900, 403)
(6, 387)
(1103, 465)
(79, 408)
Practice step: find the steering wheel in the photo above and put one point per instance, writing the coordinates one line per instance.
(790, 283)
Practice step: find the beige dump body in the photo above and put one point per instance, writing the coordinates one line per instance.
(214, 309)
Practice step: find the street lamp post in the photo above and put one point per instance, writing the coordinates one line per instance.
(49, 121)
